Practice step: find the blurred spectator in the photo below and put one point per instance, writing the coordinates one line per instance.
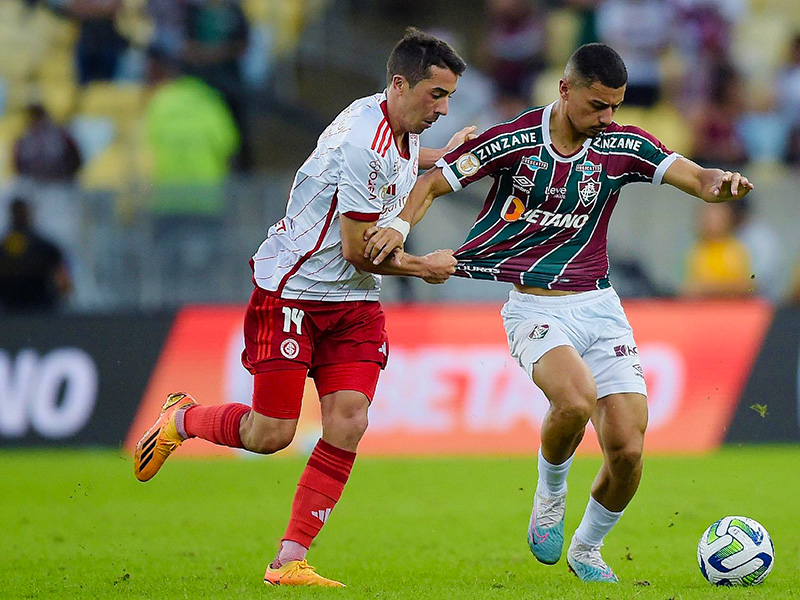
(99, 46)
(716, 140)
(169, 23)
(703, 32)
(788, 90)
(193, 138)
(515, 44)
(45, 152)
(192, 135)
(631, 279)
(718, 265)
(793, 297)
(473, 98)
(763, 246)
(504, 107)
(216, 39)
(586, 10)
(639, 30)
(33, 274)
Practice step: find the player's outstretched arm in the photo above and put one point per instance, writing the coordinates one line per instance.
(383, 242)
(435, 267)
(710, 185)
(429, 156)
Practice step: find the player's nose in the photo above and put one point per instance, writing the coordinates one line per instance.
(443, 106)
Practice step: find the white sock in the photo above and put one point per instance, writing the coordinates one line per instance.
(596, 523)
(552, 478)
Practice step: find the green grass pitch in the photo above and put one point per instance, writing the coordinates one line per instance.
(76, 524)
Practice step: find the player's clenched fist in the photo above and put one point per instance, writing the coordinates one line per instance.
(381, 242)
(440, 265)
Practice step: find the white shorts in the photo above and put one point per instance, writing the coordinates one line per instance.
(591, 322)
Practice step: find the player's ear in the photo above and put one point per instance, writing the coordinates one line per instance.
(563, 88)
(399, 82)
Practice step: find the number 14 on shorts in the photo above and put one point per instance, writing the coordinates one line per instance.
(292, 316)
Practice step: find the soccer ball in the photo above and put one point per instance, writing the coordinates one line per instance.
(735, 551)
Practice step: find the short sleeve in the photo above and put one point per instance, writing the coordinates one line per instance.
(647, 158)
(362, 174)
(496, 148)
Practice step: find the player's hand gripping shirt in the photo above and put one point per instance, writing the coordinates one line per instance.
(356, 170)
(545, 220)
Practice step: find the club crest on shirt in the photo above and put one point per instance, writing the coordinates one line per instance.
(589, 185)
(588, 190)
(290, 348)
(468, 164)
(539, 331)
(390, 189)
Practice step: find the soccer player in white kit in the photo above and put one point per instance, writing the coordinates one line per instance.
(314, 310)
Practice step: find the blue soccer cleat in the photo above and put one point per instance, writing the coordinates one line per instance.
(586, 562)
(546, 528)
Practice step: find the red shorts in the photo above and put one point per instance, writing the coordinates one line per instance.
(282, 334)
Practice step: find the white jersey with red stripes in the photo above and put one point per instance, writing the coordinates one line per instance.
(356, 170)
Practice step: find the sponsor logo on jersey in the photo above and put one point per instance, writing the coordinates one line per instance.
(290, 348)
(539, 331)
(511, 212)
(588, 167)
(617, 142)
(468, 164)
(556, 192)
(512, 209)
(375, 169)
(509, 141)
(625, 350)
(639, 372)
(477, 269)
(534, 163)
(522, 183)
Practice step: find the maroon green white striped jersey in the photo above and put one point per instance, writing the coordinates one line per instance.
(545, 220)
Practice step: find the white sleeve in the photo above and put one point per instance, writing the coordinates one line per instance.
(362, 174)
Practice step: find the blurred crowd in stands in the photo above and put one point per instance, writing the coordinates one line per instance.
(162, 101)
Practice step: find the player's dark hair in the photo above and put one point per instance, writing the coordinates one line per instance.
(597, 63)
(417, 52)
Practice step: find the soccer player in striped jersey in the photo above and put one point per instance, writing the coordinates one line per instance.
(314, 310)
(558, 171)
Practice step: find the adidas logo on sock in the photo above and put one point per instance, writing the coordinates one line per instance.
(322, 514)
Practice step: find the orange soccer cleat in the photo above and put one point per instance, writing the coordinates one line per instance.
(161, 439)
(297, 572)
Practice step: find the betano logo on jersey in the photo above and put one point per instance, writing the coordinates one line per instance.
(514, 210)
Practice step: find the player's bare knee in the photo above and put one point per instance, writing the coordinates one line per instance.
(271, 443)
(574, 400)
(268, 440)
(625, 458)
(347, 424)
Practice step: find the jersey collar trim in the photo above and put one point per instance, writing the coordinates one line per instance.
(385, 110)
(548, 141)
